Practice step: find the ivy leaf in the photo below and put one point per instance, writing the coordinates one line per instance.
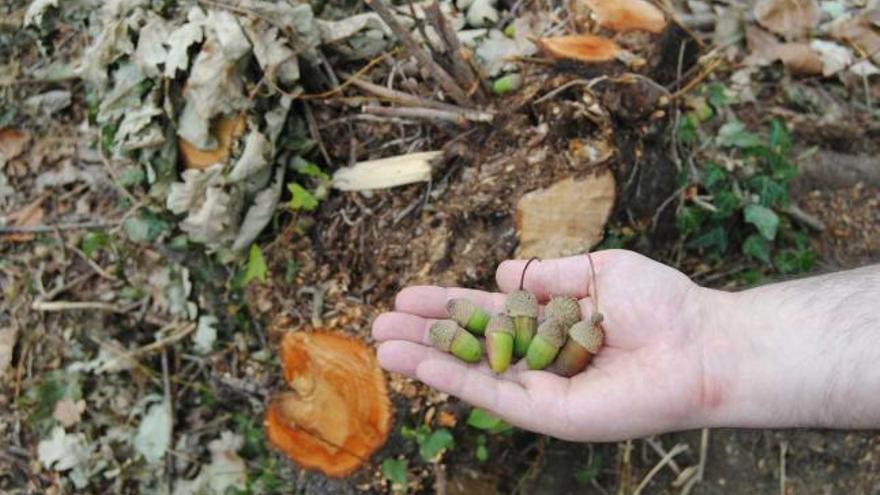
(727, 203)
(301, 198)
(764, 219)
(256, 265)
(93, 241)
(714, 176)
(795, 261)
(715, 237)
(394, 470)
(770, 192)
(145, 227)
(735, 135)
(689, 219)
(435, 444)
(780, 139)
(757, 247)
(589, 473)
(482, 420)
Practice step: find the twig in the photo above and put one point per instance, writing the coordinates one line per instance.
(100, 271)
(53, 306)
(460, 66)
(805, 218)
(589, 83)
(313, 130)
(363, 70)
(701, 469)
(658, 448)
(698, 79)
(443, 78)
(41, 229)
(783, 449)
(402, 97)
(459, 118)
(678, 449)
(317, 294)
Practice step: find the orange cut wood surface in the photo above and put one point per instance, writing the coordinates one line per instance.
(628, 15)
(225, 131)
(337, 412)
(582, 47)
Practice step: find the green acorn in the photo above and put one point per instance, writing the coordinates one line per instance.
(564, 309)
(447, 336)
(499, 342)
(546, 344)
(522, 308)
(586, 339)
(468, 315)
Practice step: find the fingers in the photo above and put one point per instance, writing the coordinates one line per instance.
(401, 326)
(562, 276)
(403, 357)
(430, 301)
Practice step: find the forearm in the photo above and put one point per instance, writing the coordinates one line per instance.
(799, 353)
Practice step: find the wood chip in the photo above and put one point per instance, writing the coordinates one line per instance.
(583, 48)
(566, 218)
(385, 172)
(628, 15)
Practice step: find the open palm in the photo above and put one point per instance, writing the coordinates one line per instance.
(647, 379)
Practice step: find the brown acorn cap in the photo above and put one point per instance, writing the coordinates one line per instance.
(589, 336)
(460, 309)
(565, 309)
(553, 332)
(442, 333)
(521, 303)
(499, 323)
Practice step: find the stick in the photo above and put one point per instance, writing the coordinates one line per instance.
(704, 448)
(462, 70)
(459, 118)
(402, 97)
(443, 78)
(783, 449)
(658, 448)
(678, 449)
(42, 229)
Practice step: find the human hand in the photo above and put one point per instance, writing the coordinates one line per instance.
(649, 377)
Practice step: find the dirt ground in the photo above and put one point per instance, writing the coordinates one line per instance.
(342, 265)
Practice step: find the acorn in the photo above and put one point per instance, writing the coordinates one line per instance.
(468, 315)
(522, 308)
(499, 342)
(546, 344)
(585, 340)
(447, 336)
(564, 309)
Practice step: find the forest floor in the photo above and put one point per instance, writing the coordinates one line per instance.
(95, 314)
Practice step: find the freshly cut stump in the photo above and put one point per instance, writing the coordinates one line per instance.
(566, 218)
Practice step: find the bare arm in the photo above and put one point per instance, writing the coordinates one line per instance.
(798, 353)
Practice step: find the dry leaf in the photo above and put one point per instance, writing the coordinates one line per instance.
(29, 216)
(385, 172)
(8, 336)
(566, 218)
(861, 33)
(68, 412)
(337, 413)
(628, 15)
(12, 144)
(765, 49)
(788, 17)
(583, 47)
(835, 57)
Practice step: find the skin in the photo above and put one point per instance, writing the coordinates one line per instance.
(677, 356)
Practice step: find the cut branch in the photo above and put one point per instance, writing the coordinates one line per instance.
(443, 78)
(458, 117)
(461, 67)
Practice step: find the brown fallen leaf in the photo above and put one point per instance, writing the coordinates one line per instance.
(29, 216)
(799, 58)
(628, 15)
(566, 218)
(12, 144)
(790, 18)
(226, 131)
(581, 47)
(68, 412)
(861, 32)
(338, 412)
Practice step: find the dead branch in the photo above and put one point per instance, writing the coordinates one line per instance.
(459, 117)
